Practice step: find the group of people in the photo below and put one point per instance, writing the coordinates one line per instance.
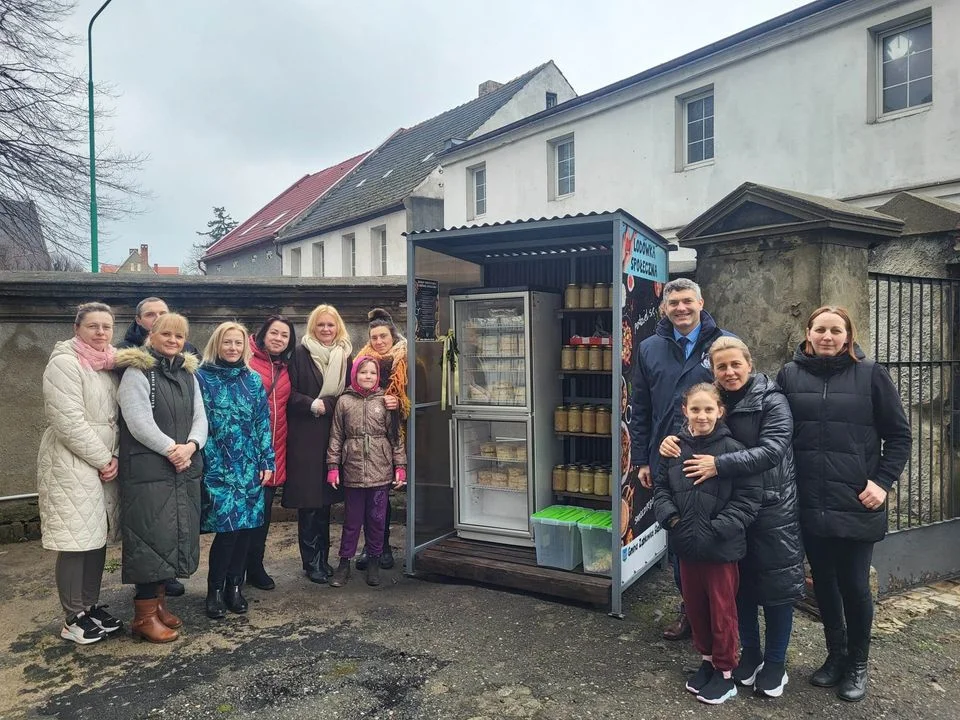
(154, 443)
(749, 475)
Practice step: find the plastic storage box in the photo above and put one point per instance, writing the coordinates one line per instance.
(557, 537)
(596, 535)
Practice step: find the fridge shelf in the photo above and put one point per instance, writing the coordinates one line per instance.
(496, 460)
(582, 496)
(476, 486)
(580, 434)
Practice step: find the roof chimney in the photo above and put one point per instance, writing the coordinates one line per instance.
(487, 87)
(145, 255)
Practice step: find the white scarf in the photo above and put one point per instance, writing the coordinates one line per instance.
(331, 362)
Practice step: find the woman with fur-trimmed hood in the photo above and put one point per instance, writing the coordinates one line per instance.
(163, 428)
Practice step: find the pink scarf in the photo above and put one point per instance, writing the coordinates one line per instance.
(93, 359)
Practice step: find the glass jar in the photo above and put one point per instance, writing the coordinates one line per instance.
(609, 296)
(582, 357)
(586, 295)
(603, 421)
(574, 419)
(607, 362)
(571, 297)
(572, 477)
(559, 478)
(601, 482)
(586, 480)
(560, 419)
(588, 419)
(568, 357)
(595, 358)
(601, 295)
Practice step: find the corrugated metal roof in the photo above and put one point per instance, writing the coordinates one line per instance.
(595, 213)
(405, 160)
(282, 210)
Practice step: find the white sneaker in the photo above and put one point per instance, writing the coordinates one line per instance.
(82, 630)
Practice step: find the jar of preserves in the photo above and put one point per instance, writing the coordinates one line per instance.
(595, 358)
(607, 362)
(559, 478)
(603, 421)
(571, 297)
(560, 418)
(573, 478)
(586, 480)
(582, 357)
(586, 295)
(588, 419)
(601, 482)
(574, 419)
(601, 296)
(609, 296)
(568, 358)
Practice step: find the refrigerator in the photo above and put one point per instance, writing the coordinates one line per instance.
(506, 387)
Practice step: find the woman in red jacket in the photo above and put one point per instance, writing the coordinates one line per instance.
(272, 348)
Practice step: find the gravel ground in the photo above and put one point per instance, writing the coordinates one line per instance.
(425, 649)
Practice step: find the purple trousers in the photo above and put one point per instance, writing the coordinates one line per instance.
(366, 507)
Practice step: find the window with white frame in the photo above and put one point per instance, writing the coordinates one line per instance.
(905, 67)
(316, 253)
(350, 255)
(295, 262)
(477, 196)
(698, 128)
(378, 250)
(564, 166)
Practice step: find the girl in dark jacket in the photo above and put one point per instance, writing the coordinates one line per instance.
(707, 527)
(771, 574)
(852, 440)
(271, 348)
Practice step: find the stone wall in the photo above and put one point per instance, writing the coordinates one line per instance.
(37, 310)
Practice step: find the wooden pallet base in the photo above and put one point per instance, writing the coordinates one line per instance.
(509, 566)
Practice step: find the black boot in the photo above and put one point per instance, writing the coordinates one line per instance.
(386, 557)
(361, 562)
(216, 608)
(233, 597)
(373, 571)
(313, 530)
(342, 573)
(831, 672)
(853, 687)
(175, 588)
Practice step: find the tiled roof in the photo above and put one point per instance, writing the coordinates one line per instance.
(166, 269)
(107, 268)
(398, 166)
(282, 210)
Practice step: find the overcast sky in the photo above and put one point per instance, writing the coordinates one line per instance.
(234, 100)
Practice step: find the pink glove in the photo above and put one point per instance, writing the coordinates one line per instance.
(400, 476)
(333, 476)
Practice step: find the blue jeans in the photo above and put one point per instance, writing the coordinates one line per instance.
(779, 622)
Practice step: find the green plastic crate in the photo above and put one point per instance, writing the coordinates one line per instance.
(596, 539)
(556, 536)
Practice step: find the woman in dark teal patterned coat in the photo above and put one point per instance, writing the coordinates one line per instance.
(238, 460)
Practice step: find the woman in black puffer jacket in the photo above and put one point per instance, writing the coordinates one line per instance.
(771, 574)
(852, 440)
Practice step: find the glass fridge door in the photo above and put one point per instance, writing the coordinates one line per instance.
(491, 334)
(493, 475)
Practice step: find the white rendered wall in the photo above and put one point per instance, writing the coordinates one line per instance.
(796, 116)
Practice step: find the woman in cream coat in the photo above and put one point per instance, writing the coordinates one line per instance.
(76, 467)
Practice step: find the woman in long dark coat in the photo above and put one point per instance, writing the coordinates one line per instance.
(319, 373)
(852, 442)
(771, 575)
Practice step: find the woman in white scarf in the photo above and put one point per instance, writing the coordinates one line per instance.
(318, 375)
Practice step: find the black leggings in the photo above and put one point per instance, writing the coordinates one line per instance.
(228, 556)
(841, 582)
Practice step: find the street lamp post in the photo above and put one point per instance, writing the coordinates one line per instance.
(94, 255)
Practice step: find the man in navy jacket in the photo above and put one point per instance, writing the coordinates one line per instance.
(673, 359)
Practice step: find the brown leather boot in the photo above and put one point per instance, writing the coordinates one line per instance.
(147, 626)
(166, 617)
(679, 629)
